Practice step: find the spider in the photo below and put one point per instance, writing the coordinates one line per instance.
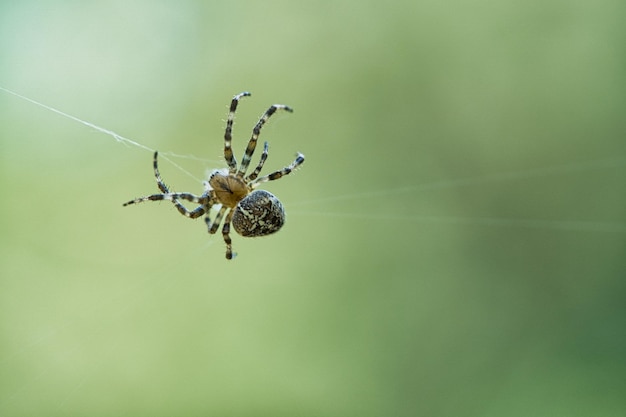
(251, 212)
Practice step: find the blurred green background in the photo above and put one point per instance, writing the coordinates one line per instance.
(455, 242)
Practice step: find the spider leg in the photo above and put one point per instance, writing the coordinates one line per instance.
(245, 161)
(259, 167)
(165, 190)
(213, 226)
(193, 214)
(204, 201)
(169, 196)
(157, 175)
(226, 235)
(205, 204)
(279, 174)
(228, 137)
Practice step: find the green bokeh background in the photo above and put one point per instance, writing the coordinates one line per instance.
(455, 242)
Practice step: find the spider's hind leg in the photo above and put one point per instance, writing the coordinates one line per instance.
(280, 173)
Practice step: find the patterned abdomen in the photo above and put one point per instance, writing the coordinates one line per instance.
(258, 214)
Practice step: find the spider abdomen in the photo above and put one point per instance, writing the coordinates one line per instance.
(260, 213)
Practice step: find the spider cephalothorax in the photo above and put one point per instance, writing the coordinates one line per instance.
(251, 212)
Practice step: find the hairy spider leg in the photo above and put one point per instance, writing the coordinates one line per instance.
(280, 173)
(173, 197)
(259, 167)
(245, 161)
(213, 226)
(228, 135)
(165, 190)
(226, 235)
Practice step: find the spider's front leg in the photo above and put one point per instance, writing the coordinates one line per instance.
(165, 190)
(173, 197)
(228, 134)
(247, 156)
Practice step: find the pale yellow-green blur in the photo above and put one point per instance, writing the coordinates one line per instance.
(455, 241)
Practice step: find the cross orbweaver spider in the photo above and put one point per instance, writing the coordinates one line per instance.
(251, 212)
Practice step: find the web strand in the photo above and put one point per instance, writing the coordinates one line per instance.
(435, 185)
(563, 169)
(557, 225)
(119, 138)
